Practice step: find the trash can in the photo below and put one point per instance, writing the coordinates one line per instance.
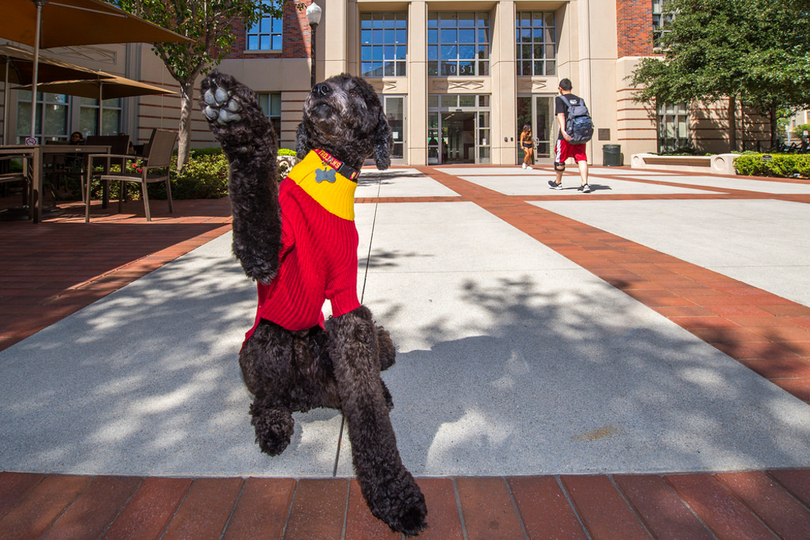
(612, 155)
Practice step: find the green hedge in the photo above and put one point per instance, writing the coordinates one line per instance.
(782, 165)
(205, 176)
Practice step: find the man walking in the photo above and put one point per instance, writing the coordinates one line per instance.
(564, 148)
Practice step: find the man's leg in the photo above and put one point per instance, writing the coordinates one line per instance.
(583, 171)
(559, 164)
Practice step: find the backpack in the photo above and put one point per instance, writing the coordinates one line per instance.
(579, 124)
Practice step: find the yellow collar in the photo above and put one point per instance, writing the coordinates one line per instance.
(323, 183)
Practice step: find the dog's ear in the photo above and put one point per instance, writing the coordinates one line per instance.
(383, 143)
(302, 146)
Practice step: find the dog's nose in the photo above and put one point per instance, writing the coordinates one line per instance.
(321, 89)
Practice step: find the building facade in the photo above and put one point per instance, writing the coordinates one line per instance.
(458, 79)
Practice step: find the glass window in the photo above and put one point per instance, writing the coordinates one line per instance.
(673, 127)
(458, 44)
(660, 18)
(52, 116)
(383, 44)
(266, 35)
(535, 35)
(110, 120)
(271, 106)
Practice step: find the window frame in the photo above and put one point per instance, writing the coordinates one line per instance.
(672, 127)
(273, 32)
(384, 44)
(270, 102)
(532, 53)
(455, 46)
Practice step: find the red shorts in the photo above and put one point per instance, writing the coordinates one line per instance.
(564, 150)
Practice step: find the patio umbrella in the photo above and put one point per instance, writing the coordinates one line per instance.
(18, 66)
(110, 87)
(59, 23)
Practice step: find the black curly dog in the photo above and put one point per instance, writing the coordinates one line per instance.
(337, 365)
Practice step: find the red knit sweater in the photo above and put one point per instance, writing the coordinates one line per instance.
(318, 258)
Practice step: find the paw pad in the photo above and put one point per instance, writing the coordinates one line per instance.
(221, 106)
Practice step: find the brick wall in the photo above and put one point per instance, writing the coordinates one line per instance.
(634, 27)
(295, 38)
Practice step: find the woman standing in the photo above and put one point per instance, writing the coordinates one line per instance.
(527, 143)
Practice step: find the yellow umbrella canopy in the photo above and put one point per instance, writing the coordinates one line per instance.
(20, 65)
(110, 87)
(17, 66)
(77, 22)
(60, 23)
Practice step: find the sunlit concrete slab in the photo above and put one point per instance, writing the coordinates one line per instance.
(146, 382)
(537, 184)
(399, 183)
(511, 360)
(741, 183)
(547, 369)
(758, 242)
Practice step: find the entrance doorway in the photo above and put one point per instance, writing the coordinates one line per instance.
(538, 112)
(458, 134)
(394, 107)
(458, 129)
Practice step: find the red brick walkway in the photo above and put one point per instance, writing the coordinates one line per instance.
(57, 267)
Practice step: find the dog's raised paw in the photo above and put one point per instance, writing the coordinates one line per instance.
(221, 105)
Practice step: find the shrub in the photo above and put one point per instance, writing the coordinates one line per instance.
(780, 165)
(205, 176)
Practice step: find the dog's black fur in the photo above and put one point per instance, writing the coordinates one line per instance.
(338, 366)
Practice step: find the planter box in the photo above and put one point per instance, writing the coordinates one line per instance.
(717, 164)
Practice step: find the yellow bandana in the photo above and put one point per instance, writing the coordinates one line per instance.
(323, 183)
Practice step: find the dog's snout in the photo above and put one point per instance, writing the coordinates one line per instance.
(321, 89)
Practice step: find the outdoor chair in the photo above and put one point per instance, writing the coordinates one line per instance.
(119, 146)
(144, 170)
(8, 174)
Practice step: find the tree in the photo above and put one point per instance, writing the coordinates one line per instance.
(210, 26)
(753, 52)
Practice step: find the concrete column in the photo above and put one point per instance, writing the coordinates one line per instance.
(585, 57)
(332, 39)
(416, 107)
(503, 103)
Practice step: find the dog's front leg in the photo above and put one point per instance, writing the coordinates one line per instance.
(249, 142)
(389, 489)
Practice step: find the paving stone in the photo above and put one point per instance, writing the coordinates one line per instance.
(262, 508)
(488, 510)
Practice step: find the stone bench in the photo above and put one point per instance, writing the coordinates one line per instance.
(716, 164)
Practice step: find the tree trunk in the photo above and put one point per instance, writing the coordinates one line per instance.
(186, 107)
(774, 123)
(732, 123)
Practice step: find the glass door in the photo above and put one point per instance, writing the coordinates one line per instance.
(537, 111)
(458, 129)
(395, 112)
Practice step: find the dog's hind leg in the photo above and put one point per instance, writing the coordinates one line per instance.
(387, 351)
(273, 425)
(389, 489)
(249, 142)
(266, 362)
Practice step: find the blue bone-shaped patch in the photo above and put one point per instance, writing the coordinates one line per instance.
(329, 176)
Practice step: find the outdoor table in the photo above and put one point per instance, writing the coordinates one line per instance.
(35, 154)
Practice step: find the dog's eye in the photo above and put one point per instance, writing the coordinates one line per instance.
(353, 93)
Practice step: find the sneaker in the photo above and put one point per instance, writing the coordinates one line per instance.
(523, 165)
(554, 185)
(584, 189)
